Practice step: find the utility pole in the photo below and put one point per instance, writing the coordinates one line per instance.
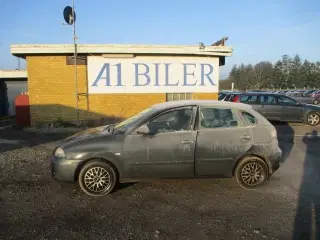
(69, 15)
(19, 65)
(75, 61)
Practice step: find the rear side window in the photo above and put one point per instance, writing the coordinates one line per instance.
(269, 100)
(250, 99)
(211, 117)
(249, 118)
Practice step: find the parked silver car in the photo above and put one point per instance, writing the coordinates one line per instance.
(178, 139)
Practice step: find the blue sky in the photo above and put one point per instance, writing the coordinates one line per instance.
(257, 30)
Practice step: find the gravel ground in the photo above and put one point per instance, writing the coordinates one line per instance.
(33, 206)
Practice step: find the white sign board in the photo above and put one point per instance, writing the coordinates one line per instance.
(153, 75)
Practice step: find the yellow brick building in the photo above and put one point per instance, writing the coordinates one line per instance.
(52, 83)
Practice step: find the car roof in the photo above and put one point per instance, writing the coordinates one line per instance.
(262, 93)
(181, 103)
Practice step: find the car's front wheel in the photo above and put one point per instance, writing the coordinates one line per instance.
(251, 172)
(97, 178)
(313, 118)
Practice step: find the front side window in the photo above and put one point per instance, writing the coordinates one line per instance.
(211, 117)
(287, 101)
(177, 120)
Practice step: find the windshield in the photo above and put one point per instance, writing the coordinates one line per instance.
(122, 126)
(307, 92)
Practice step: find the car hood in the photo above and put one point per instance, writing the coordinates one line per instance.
(86, 134)
(313, 107)
(89, 131)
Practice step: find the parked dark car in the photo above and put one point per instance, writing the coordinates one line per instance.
(222, 95)
(317, 99)
(310, 93)
(315, 94)
(277, 107)
(178, 139)
(301, 98)
(231, 97)
(307, 93)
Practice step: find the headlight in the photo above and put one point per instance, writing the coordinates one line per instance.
(59, 153)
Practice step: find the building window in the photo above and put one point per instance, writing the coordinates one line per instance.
(178, 96)
(81, 60)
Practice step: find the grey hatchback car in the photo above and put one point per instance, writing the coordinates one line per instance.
(178, 139)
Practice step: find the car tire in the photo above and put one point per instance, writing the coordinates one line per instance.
(251, 172)
(97, 178)
(313, 119)
(316, 102)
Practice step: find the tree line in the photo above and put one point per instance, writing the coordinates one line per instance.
(286, 73)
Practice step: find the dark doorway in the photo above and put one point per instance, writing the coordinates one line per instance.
(9, 90)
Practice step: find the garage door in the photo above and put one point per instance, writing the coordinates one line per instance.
(14, 88)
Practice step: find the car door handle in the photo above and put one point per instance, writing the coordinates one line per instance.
(245, 137)
(186, 142)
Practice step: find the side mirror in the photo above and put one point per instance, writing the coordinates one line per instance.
(143, 130)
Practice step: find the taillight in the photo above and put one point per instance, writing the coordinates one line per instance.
(274, 133)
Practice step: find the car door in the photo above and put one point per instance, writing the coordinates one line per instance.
(269, 108)
(291, 110)
(167, 151)
(221, 140)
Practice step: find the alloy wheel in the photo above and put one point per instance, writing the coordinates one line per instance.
(97, 179)
(313, 119)
(252, 174)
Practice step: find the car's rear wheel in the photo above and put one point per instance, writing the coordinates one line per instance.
(313, 118)
(316, 102)
(97, 178)
(251, 172)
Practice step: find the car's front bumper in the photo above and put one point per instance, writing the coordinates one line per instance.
(63, 169)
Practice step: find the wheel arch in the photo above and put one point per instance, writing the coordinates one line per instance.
(252, 154)
(310, 112)
(84, 162)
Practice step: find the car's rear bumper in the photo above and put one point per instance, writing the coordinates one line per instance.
(63, 169)
(275, 159)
